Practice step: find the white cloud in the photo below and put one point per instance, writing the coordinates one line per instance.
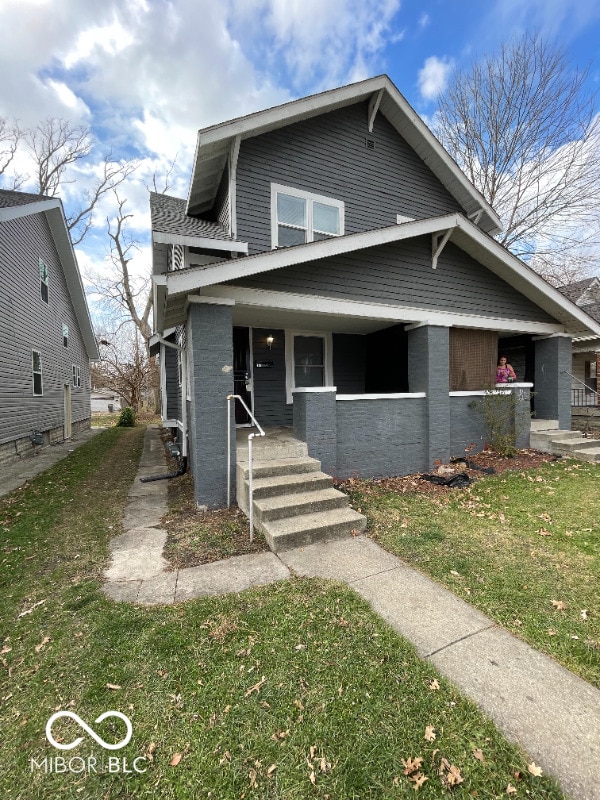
(424, 20)
(433, 77)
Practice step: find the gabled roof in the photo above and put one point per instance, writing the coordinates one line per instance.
(578, 291)
(215, 143)
(463, 233)
(14, 205)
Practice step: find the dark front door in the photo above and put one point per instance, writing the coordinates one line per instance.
(241, 373)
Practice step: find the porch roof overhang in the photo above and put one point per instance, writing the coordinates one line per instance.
(172, 289)
(214, 144)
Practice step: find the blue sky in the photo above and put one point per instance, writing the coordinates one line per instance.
(147, 74)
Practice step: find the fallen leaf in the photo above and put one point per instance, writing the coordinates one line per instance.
(30, 610)
(453, 778)
(271, 770)
(256, 687)
(478, 754)
(113, 686)
(175, 760)
(559, 605)
(252, 778)
(300, 647)
(434, 684)
(42, 644)
(412, 765)
(312, 777)
(150, 751)
(510, 789)
(544, 532)
(551, 632)
(430, 733)
(533, 769)
(584, 614)
(418, 780)
(5, 649)
(298, 704)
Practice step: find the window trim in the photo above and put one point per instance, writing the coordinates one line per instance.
(35, 372)
(76, 381)
(290, 381)
(311, 198)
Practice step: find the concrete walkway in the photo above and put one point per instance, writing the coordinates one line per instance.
(551, 713)
(19, 472)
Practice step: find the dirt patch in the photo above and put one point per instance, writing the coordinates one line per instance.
(195, 537)
(475, 467)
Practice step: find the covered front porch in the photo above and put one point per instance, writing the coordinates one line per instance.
(382, 401)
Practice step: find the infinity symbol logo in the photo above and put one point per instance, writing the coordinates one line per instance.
(88, 730)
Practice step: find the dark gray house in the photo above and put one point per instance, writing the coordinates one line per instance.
(333, 266)
(46, 336)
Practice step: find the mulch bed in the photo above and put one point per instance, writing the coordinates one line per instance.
(474, 468)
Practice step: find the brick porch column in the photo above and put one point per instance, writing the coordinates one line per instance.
(428, 371)
(552, 384)
(210, 363)
(315, 423)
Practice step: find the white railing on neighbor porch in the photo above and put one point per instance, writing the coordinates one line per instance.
(582, 397)
(251, 436)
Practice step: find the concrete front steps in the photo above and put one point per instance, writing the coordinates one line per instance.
(547, 437)
(295, 503)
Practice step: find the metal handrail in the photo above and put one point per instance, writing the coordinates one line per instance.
(589, 388)
(251, 436)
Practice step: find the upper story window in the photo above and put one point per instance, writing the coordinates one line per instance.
(65, 331)
(43, 281)
(298, 216)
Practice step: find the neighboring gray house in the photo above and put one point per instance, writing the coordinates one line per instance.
(46, 336)
(333, 266)
(586, 350)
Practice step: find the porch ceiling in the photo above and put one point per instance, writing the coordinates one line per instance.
(257, 317)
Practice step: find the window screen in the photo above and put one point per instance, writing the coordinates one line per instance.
(473, 357)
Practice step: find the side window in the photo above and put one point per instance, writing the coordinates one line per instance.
(298, 217)
(76, 376)
(43, 281)
(36, 369)
(65, 332)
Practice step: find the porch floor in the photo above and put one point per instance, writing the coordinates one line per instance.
(278, 442)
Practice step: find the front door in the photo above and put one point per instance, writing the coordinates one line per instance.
(241, 373)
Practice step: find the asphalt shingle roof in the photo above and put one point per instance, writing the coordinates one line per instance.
(168, 216)
(10, 198)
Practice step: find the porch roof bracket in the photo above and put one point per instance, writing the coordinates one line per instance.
(374, 108)
(438, 242)
(233, 160)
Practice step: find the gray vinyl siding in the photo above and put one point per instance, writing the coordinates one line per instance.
(27, 323)
(400, 274)
(270, 406)
(349, 363)
(327, 155)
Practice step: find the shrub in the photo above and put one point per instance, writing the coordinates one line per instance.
(503, 420)
(126, 418)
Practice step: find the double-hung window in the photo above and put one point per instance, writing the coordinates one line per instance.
(36, 368)
(298, 217)
(43, 281)
(76, 376)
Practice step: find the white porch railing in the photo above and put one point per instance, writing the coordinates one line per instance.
(251, 436)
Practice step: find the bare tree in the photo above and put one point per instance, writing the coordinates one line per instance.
(57, 145)
(525, 131)
(10, 136)
(125, 367)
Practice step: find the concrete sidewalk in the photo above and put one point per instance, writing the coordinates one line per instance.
(552, 714)
(19, 472)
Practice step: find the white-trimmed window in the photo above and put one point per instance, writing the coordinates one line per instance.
(43, 281)
(308, 360)
(65, 332)
(298, 216)
(36, 369)
(76, 376)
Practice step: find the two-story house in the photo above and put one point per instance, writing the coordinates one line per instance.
(334, 267)
(46, 335)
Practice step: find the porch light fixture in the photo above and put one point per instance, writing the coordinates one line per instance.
(270, 340)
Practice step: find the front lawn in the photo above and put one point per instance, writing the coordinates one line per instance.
(296, 690)
(523, 547)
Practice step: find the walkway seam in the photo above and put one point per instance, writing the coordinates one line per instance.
(461, 639)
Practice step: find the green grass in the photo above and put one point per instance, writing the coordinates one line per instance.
(296, 690)
(524, 547)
